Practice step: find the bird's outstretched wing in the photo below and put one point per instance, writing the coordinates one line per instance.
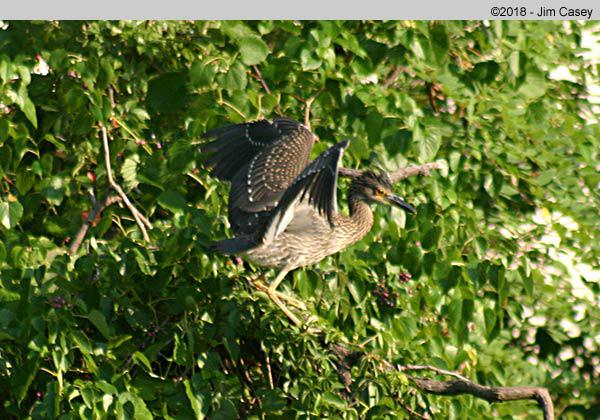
(315, 186)
(261, 159)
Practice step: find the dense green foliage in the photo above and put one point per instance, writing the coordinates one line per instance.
(501, 251)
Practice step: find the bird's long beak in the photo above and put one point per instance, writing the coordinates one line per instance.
(398, 202)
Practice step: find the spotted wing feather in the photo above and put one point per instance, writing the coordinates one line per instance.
(316, 186)
(261, 159)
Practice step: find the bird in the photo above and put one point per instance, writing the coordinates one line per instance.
(282, 207)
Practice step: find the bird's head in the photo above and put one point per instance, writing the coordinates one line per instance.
(374, 187)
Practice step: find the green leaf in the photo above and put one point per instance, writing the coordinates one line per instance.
(83, 343)
(309, 61)
(168, 92)
(428, 144)
(55, 191)
(252, 48)
(129, 171)
(195, 399)
(172, 201)
(439, 42)
(236, 78)
(202, 73)
(332, 400)
(97, 318)
(29, 110)
(25, 181)
(490, 320)
(533, 87)
(140, 409)
(10, 213)
(141, 359)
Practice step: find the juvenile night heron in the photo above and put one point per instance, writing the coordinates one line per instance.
(283, 208)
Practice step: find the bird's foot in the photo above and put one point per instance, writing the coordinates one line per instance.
(282, 296)
(278, 297)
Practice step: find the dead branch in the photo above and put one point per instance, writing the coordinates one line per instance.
(398, 175)
(140, 219)
(460, 385)
(98, 208)
(488, 393)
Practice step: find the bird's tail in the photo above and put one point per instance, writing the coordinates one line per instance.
(234, 246)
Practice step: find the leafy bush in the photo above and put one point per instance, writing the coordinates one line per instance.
(501, 252)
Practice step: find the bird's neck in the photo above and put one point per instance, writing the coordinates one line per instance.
(361, 216)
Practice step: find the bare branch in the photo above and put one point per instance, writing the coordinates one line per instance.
(139, 218)
(399, 175)
(488, 393)
(349, 173)
(409, 410)
(460, 385)
(307, 106)
(269, 373)
(265, 86)
(262, 81)
(98, 208)
(433, 369)
(308, 103)
(414, 170)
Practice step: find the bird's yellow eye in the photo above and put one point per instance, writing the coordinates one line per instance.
(379, 192)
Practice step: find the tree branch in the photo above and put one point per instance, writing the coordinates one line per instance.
(460, 385)
(489, 393)
(98, 208)
(140, 219)
(260, 78)
(265, 86)
(398, 175)
(307, 106)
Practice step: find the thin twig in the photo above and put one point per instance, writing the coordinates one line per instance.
(262, 81)
(139, 218)
(269, 373)
(409, 410)
(233, 107)
(308, 103)
(265, 86)
(98, 208)
(111, 97)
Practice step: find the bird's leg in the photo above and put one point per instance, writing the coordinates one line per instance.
(273, 289)
(276, 297)
(270, 290)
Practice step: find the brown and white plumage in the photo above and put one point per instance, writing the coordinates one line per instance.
(283, 209)
(260, 159)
